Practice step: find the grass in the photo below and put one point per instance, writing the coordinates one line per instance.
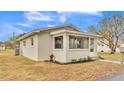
(108, 56)
(21, 68)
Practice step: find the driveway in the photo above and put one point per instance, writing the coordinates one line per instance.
(115, 77)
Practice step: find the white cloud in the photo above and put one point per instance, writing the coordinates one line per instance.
(8, 29)
(63, 16)
(24, 24)
(37, 16)
(50, 25)
(96, 13)
(33, 17)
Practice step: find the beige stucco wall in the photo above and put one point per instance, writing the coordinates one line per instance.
(28, 50)
(44, 46)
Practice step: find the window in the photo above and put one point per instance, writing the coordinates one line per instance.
(24, 43)
(59, 42)
(78, 42)
(32, 41)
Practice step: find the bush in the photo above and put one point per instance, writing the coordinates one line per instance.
(89, 58)
(100, 57)
(85, 59)
(52, 58)
(73, 60)
(81, 60)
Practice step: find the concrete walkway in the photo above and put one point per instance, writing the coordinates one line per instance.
(115, 77)
(117, 62)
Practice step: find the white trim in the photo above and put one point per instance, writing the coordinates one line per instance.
(78, 49)
(58, 49)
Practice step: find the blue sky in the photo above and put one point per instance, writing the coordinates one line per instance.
(20, 22)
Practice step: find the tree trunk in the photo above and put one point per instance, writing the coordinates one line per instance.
(113, 50)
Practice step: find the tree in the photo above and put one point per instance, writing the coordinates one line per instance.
(111, 30)
(91, 30)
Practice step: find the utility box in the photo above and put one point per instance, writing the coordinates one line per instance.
(17, 50)
(121, 49)
(122, 52)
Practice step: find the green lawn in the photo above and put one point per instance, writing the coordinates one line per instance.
(108, 56)
(21, 68)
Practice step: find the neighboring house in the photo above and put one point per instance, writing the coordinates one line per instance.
(101, 47)
(65, 42)
(2, 47)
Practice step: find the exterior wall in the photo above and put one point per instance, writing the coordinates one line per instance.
(44, 46)
(60, 54)
(105, 48)
(76, 54)
(28, 50)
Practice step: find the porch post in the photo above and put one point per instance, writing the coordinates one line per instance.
(89, 45)
(65, 46)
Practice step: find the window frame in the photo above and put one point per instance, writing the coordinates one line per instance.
(24, 43)
(81, 39)
(62, 46)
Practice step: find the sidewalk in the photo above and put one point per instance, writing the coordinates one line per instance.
(117, 62)
(115, 77)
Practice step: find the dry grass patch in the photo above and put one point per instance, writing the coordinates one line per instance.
(109, 56)
(21, 68)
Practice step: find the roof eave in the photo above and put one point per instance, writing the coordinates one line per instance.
(27, 35)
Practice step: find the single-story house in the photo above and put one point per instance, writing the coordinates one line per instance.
(2, 47)
(65, 42)
(101, 47)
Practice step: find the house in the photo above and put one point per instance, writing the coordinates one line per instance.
(2, 47)
(101, 47)
(65, 42)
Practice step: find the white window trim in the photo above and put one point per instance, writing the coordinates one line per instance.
(57, 49)
(78, 49)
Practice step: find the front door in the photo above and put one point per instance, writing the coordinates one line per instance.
(92, 53)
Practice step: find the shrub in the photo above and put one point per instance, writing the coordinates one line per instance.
(89, 58)
(81, 60)
(85, 59)
(74, 60)
(100, 57)
(52, 58)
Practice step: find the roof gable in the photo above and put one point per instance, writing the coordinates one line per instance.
(67, 26)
